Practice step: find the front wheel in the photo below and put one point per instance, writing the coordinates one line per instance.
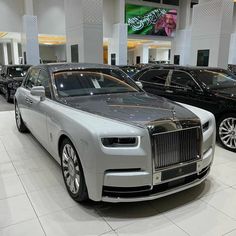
(226, 132)
(72, 172)
(19, 122)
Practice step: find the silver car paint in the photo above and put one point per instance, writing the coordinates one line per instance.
(48, 120)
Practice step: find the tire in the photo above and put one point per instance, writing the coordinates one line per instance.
(7, 96)
(226, 131)
(19, 122)
(72, 172)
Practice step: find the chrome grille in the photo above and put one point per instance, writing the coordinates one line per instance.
(176, 147)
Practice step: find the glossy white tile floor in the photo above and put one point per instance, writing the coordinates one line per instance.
(33, 199)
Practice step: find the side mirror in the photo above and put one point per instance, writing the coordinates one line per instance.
(38, 91)
(139, 84)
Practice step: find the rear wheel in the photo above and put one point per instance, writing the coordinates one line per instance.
(72, 172)
(19, 122)
(226, 131)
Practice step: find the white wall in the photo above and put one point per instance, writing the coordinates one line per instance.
(52, 52)
(51, 16)
(11, 12)
(158, 54)
(211, 29)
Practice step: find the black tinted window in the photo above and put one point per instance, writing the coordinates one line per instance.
(216, 79)
(181, 79)
(32, 78)
(17, 71)
(155, 76)
(43, 80)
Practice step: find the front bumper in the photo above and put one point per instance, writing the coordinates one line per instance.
(135, 186)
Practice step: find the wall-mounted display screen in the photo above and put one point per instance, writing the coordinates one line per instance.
(146, 20)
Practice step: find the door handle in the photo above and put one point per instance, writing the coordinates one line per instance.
(169, 91)
(28, 100)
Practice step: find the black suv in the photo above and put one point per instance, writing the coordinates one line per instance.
(212, 89)
(11, 78)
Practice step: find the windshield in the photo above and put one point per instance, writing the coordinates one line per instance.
(93, 82)
(216, 79)
(17, 71)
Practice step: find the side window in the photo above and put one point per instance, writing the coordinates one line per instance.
(31, 78)
(43, 80)
(182, 80)
(155, 76)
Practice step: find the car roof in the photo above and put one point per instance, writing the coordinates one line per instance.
(57, 67)
(192, 68)
(18, 65)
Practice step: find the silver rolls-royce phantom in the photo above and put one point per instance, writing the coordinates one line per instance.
(114, 142)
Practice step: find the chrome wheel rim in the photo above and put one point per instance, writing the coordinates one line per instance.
(70, 168)
(227, 132)
(18, 118)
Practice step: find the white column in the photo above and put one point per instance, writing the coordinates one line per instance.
(141, 51)
(184, 14)
(118, 43)
(232, 49)
(5, 54)
(211, 29)
(181, 44)
(14, 52)
(84, 27)
(30, 45)
(28, 7)
(30, 39)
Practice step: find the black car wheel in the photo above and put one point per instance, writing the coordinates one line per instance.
(226, 131)
(72, 172)
(19, 122)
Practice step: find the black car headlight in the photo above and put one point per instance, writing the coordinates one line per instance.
(120, 142)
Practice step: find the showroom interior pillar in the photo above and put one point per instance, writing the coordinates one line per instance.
(5, 54)
(30, 44)
(117, 45)
(14, 52)
(232, 49)
(211, 30)
(142, 52)
(84, 30)
(181, 44)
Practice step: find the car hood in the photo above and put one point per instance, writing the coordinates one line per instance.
(136, 108)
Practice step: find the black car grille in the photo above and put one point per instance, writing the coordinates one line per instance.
(176, 147)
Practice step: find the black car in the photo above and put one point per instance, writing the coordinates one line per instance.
(132, 70)
(11, 78)
(212, 89)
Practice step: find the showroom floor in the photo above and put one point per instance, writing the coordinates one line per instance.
(34, 201)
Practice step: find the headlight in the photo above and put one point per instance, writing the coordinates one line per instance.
(205, 126)
(120, 142)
